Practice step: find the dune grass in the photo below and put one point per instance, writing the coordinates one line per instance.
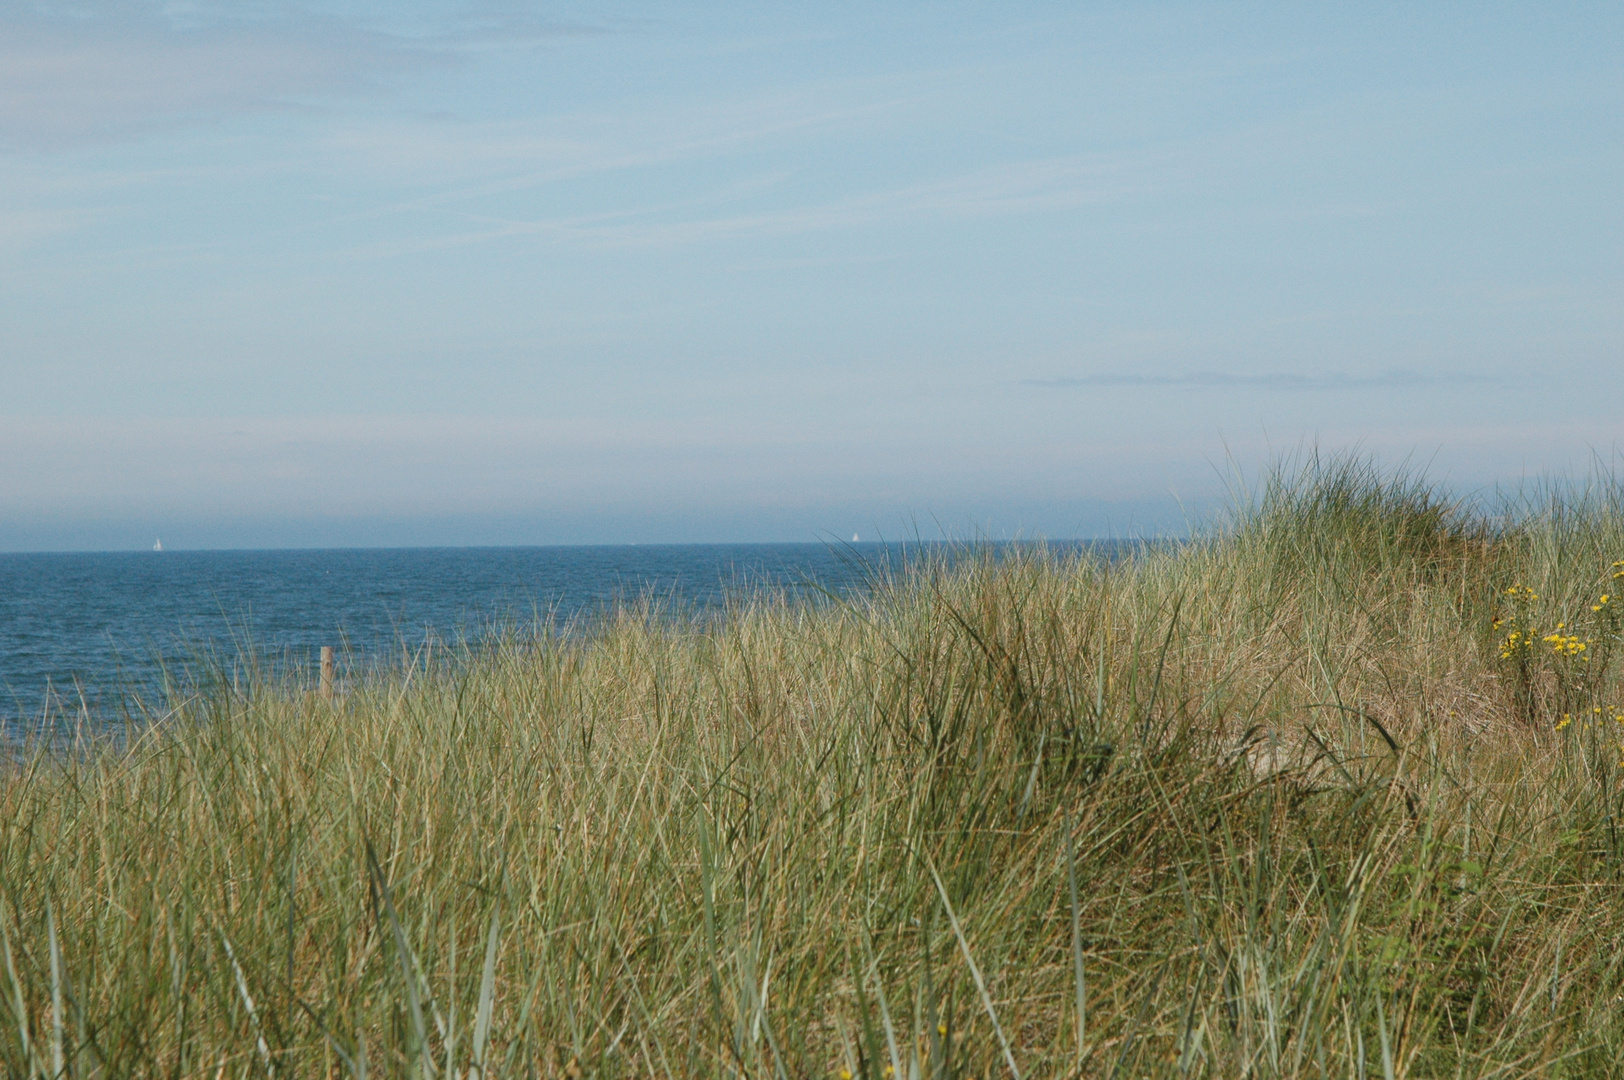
(1279, 802)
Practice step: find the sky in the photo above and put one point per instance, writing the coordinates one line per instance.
(353, 274)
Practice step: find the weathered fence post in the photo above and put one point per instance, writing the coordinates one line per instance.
(327, 671)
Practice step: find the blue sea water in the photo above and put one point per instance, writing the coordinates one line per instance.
(102, 628)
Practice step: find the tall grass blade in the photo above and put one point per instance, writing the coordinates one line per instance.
(333, 1043)
(59, 1064)
(487, 996)
(448, 1030)
(707, 869)
(885, 1009)
(975, 971)
(19, 1006)
(248, 1003)
(1381, 1032)
(419, 1048)
(1079, 990)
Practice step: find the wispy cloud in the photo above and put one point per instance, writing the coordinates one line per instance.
(478, 160)
(1023, 187)
(22, 227)
(1026, 187)
(501, 26)
(117, 71)
(106, 70)
(1393, 378)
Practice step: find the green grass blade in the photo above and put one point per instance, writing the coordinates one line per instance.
(19, 1007)
(59, 1064)
(248, 1003)
(419, 1049)
(975, 972)
(1079, 990)
(487, 995)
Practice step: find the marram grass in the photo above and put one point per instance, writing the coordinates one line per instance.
(1280, 802)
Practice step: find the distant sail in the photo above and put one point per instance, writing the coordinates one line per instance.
(854, 538)
(157, 545)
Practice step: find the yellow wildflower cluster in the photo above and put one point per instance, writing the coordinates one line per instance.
(1565, 666)
(1519, 638)
(1562, 640)
(1598, 715)
(1514, 640)
(1565, 644)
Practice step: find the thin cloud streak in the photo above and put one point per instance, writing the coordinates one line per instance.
(1395, 378)
(1032, 187)
(577, 147)
(1022, 188)
(106, 72)
(70, 82)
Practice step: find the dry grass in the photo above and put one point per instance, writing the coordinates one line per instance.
(1270, 804)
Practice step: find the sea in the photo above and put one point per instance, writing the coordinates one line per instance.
(106, 638)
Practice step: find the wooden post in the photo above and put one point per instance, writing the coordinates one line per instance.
(327, 672)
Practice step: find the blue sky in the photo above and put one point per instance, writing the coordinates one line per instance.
(351, 274)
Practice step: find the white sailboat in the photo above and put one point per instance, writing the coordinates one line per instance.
(157, 545)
